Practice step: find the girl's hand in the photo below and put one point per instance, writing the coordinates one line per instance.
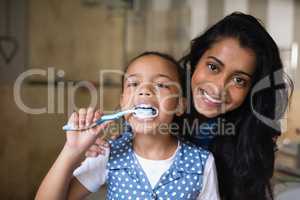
(80, 141)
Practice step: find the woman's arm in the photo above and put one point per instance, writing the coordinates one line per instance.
(210, 188)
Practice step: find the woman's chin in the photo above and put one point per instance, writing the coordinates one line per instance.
(208, 113)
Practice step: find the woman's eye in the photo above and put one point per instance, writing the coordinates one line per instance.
(239, 81)
(212, 67)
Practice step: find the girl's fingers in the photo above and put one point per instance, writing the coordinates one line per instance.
(113, 137)
(89, 116)
(73, 119)
(82, 117)
(95, 153)
(101, 127)
(102, 152)
(94, 148)
(97, 115)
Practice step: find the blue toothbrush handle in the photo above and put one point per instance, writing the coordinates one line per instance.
(69, 127)
(104, 118)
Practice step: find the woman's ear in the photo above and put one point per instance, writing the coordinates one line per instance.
(181, 106)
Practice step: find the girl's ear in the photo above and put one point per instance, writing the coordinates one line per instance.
(181, 106)
(121, 101)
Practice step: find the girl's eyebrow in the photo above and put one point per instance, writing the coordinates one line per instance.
(163, 76)
(127, 76)
(130, 75)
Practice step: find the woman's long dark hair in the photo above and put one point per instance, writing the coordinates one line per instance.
(245, 160)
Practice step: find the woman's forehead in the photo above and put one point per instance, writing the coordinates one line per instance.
(231, 54)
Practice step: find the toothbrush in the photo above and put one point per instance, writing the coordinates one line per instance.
(145, 112)
(104, 118)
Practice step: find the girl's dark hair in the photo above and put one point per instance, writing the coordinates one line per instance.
(245, 160)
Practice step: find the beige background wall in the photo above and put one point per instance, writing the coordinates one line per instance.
(81, 39)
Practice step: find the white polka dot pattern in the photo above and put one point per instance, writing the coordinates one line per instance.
(127, 180)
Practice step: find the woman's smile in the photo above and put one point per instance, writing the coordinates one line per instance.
(210, 100)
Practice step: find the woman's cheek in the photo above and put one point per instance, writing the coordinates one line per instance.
(237, 97)
(200, 75)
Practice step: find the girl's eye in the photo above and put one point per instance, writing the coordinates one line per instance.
(132, 84)
(162, 85)
(212, 67)
(239, 81)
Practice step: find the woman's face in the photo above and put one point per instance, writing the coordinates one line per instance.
(222, 77)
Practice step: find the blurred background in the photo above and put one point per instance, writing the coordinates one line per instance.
(67, 42)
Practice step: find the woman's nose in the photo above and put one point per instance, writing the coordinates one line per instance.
(219, 85)
(220, 82)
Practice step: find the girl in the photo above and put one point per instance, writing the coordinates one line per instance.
(238, 78)
(151, 165)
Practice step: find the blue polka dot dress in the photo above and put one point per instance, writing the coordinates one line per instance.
(127, 180)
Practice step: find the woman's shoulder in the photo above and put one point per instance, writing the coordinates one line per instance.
(189, 146)
(194, 156)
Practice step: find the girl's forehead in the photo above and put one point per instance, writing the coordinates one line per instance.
(152, 66)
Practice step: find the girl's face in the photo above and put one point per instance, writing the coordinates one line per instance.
(152, 81)
(222, 78)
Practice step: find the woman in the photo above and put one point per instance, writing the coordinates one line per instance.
(231, 63)
(227, 62)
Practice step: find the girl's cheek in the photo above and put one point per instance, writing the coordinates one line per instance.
(169, 104)
(127, 100)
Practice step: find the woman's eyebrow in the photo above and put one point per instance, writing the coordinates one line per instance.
(222, 64)
(242, 72)
(217, 60)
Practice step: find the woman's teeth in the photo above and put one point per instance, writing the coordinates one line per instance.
(210, 98)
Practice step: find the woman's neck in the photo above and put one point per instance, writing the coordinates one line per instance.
(155, 146)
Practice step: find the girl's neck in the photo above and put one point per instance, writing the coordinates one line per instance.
(155, 146)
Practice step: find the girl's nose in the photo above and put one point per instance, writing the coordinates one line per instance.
(145, 91)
